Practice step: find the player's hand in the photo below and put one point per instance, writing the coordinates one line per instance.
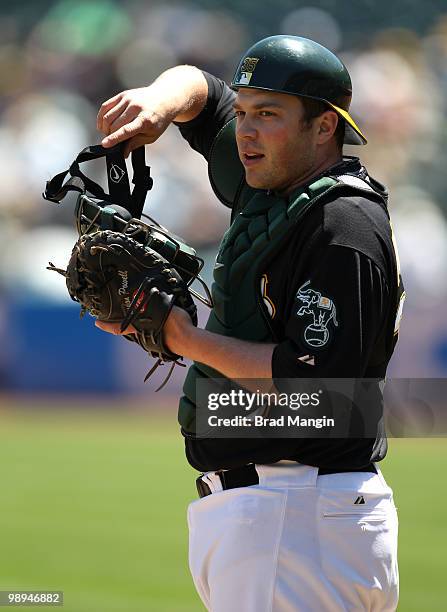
(135, 115)
(115, 328)
(176, 331)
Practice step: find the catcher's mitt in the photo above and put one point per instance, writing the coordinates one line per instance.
(122, 269)
(117, 279)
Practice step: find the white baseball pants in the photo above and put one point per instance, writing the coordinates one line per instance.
(296, 542)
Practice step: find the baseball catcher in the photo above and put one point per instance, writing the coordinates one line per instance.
(123, 270)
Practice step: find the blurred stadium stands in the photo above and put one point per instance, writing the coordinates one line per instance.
(60, 59)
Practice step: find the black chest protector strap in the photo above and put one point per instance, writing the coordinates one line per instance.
(117, 178)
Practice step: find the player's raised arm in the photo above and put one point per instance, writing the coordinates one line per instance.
(142, 115)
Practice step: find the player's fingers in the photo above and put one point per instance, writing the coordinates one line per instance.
(126, 116)
(115, 328)
(127, 131)
(111, 116)
(105, 107)
(111, 328)
(135, 143)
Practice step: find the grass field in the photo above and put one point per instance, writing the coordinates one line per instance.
(93, 504)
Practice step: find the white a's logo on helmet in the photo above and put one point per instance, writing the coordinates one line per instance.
(246, 70)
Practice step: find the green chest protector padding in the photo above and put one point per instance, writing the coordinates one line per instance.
(262, 224)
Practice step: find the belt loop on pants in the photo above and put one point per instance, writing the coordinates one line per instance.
(247, 476)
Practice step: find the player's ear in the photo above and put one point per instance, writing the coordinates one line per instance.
(327, 124)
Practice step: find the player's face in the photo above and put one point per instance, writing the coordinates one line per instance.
(277, 148)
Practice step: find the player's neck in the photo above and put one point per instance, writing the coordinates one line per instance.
(320, 167)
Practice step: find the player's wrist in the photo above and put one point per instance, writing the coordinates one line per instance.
(183, 91)
(178, 332)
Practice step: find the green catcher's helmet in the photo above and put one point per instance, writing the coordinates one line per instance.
(301, 67)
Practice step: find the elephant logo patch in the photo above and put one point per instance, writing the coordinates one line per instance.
(321, 311)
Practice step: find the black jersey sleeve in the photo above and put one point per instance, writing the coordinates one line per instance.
(201, 131)
(338, 313)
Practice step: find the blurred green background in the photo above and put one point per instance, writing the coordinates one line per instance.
(93, 504)
(94, 481)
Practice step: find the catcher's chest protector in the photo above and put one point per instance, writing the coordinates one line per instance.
(257, 233)
(261, 226)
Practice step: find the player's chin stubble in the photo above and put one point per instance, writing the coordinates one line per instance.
(263, 178)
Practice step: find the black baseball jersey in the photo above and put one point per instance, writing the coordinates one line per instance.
(342, 261)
